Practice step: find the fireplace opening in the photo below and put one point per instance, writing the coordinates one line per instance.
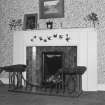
(45, 61)
(52, 62)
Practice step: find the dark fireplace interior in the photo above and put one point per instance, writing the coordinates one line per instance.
(52, 62)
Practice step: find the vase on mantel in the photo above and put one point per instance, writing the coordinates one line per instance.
(92, 18)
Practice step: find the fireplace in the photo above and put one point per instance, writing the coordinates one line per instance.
(85, 39)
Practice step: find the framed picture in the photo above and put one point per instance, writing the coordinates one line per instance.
(51, 9)
(30, 21)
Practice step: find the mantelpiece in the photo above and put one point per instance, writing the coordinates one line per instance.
(85, 39)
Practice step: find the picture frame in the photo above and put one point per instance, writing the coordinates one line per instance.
(30, 21)
(51, 9)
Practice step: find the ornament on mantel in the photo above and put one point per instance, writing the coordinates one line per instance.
(49, 24)
(15, 24)
(55, 35)
(32, 40)
(61, 24)
(49, 38)
(67, 37)
(92, 17)
(60, 36)
(35, 36)
(45, 40)
(40, 38)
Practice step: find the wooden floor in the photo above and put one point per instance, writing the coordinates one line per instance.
(15, 98)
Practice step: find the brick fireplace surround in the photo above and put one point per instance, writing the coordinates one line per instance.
(85, 41)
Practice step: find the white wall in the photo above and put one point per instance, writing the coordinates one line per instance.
(18, 48)
(85, 40)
